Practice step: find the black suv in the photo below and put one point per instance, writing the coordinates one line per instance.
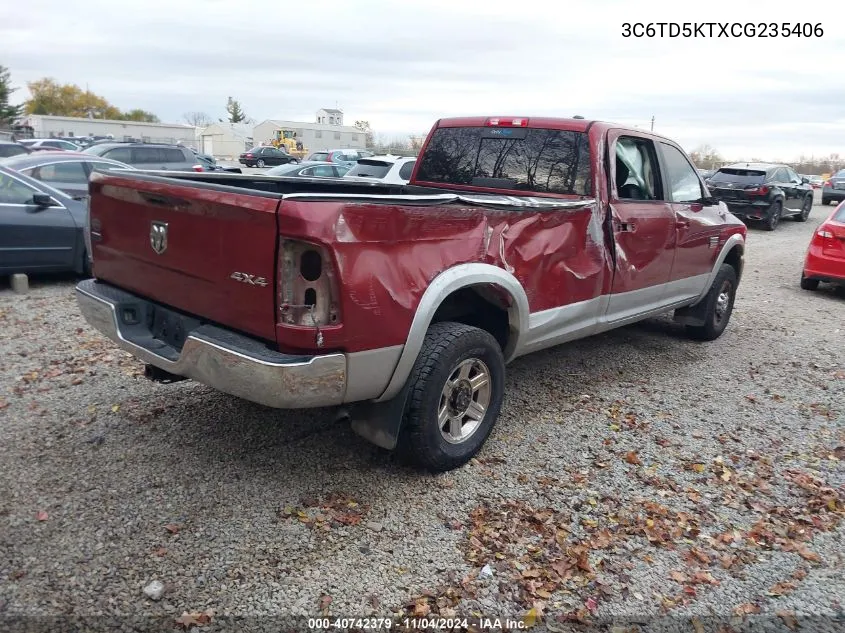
(762, 191)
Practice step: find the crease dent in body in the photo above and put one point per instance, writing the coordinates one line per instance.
(502, 238)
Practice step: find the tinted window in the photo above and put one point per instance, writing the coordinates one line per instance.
(14, 191)
(323, 171)
(407, 169)
(370, 168)
(636, 169)
(10, 149)
(173, 155)
(103, 166)
(63, 173)
(738, 176)
(683, 185)
(147, 155)
(122, 154)
(537, 160)
(793, 177)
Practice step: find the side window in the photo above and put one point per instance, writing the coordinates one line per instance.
(63, 173)
(636, 169)
(103, 166)
(324, 171)
(309, 171)
(173, 155)
(122, 154)
(684, 184)
(146, 156)
(780, 175)
(793, 177)
(14, 191)
(407, 169)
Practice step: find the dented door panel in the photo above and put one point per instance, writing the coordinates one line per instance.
(386, 256)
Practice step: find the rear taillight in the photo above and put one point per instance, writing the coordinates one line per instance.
(507, 122)
(247, 155)
(754, 190)
(307, 291)
(829, 183)
(197, 168)
(824, 233)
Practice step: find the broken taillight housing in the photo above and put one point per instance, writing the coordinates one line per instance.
(307, 286)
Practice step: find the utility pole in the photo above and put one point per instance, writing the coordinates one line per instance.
(652, 123)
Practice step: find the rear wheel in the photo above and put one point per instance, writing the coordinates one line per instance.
(260, 162)
(774, 216)
(805, 209)
(455, 398)
(809, 284)
(719, 305)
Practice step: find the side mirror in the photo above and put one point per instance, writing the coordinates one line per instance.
(42, 200)
(805, 181)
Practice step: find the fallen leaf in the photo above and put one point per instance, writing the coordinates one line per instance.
(788, 618)
(161, 551)
(746, 609)
(41, 515)
(531, 573)
(196, 618)
(325, 601)
(808, 554)
(76, 381)
(632, 458)
(696, 624)
(3, 403)
(115, 408)
(781, 589)
(592, 605)
(530, 618)
(172, 528)
(678, 577)
(699, 468)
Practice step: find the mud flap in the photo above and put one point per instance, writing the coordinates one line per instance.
(694, 314)
(380, 422)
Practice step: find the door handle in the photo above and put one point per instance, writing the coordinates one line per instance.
(625, 227)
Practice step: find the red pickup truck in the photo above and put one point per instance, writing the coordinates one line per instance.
(406, 302)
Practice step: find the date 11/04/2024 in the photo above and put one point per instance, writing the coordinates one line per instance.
(414, 623)
(722, 29)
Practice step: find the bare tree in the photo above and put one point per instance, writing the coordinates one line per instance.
(197, 119)
(706, 157)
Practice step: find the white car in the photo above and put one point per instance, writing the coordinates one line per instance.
(395, 170)
(55, 143)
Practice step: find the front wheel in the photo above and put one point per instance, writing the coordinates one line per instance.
(457, 386)
(719, 305)
(260, 162)
(805, 209)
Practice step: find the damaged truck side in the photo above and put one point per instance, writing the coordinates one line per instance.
(405, 303)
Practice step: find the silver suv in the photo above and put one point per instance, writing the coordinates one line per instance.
(148, 155)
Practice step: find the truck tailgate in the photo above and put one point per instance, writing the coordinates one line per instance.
(180, 244)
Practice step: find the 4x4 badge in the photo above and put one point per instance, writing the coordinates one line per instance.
(158, 236)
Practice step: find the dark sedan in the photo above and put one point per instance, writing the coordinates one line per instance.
(8, 148)
(65, 171)
(264, 156)
(834, 189)
(762, 192)
(41, 229)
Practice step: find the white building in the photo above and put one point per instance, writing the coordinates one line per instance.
(331, 134)
(45, 126)
(225, 140)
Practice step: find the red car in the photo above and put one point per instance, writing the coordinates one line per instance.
(825, 259)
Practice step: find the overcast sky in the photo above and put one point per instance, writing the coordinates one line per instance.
(403, 65)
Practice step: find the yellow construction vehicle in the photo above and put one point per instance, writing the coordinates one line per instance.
(288, 140)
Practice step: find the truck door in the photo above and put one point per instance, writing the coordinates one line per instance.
(697, 225)
(643, 226)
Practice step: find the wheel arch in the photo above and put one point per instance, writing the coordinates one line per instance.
(733, 252)
(478, 279)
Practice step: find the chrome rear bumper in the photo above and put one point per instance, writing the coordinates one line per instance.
(213, 356)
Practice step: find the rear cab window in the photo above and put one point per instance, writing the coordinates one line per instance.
(536, 160)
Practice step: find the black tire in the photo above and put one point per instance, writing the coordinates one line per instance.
(717, 312)
(260, 162)
(773, 220)
(294, 161)
(447, 348)
(809, 284)
(826, 201)
(805, 209)
(86, 265)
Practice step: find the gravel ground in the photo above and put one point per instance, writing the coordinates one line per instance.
(633, 475)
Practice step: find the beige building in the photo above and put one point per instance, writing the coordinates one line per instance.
(327, 132)
(45, 126)
(225, 140)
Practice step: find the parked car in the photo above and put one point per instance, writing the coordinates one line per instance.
(816, 182)
(264, 156)
(706, 173)
(396, 170)
(309, 169)
(41, 228)
(209, 164)
(514, 235)
(152, 156)
(342, 156)
(763, 192)
(825, 258)
(65, 171)
(8, 149)
(834, 188)
(52, 143)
